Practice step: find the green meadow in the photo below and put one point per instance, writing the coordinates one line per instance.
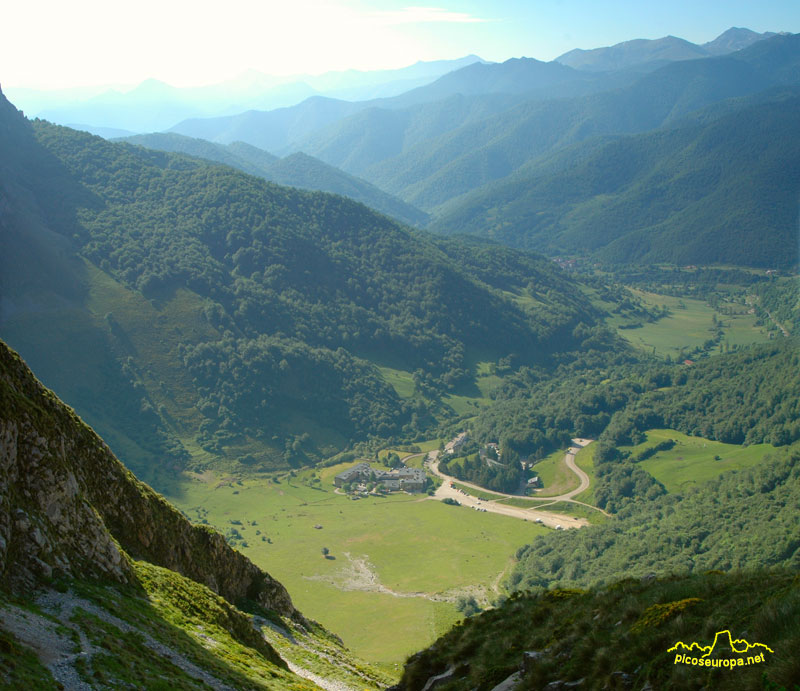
(400, 380)
(555, 476)
(567, 508)
(689, 325)
(694, 460)
(466, 401)
(395, 565)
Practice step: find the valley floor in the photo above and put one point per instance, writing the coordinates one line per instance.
(396, 568)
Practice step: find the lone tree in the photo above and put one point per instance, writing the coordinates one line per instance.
(325, 551)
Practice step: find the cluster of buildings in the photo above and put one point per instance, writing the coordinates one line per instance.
(406, 479)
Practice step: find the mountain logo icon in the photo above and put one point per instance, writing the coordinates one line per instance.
(726, 648)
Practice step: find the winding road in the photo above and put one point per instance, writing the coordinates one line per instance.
(533, 513)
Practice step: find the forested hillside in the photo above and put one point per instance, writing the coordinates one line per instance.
(214, 300)
(544, 156)
(699, 193)
(477, 151)
(296, 170)
(656, 158)
(742, 520)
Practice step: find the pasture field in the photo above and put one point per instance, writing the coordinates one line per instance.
(694, 460)
(523, 502)
(485, 380)
(396, 564)
(555, 476)
(464, 406)
(400, 380)
(571, 509)
(406, 455)
(689, 325)
(567, 508)
(467, 400)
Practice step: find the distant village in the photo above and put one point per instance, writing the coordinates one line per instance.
(364, 478)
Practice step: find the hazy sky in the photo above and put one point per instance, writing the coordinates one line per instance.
(57, 43)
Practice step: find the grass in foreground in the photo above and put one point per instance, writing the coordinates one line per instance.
(20, 667)
(619, 636)
(164, 632)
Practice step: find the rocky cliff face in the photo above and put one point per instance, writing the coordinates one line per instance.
(69, 507)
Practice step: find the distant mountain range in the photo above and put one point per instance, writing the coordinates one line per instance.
(154, 105)
(479, 149)
(431, 170)
(576, 73)
(644, 54)
(711, 189)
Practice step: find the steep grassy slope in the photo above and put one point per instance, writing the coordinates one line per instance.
(137, 593)
(702, 193)
(622, 637)
(56, 478)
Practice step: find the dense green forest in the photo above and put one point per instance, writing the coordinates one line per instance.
(310, 266)
(779, 303)
(741, 520)
(296, 170)
(746, 397)
(247, 385)
(687, 195)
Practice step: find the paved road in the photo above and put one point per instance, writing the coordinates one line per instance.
(569, 460)
(492, 506)
(548, 518)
